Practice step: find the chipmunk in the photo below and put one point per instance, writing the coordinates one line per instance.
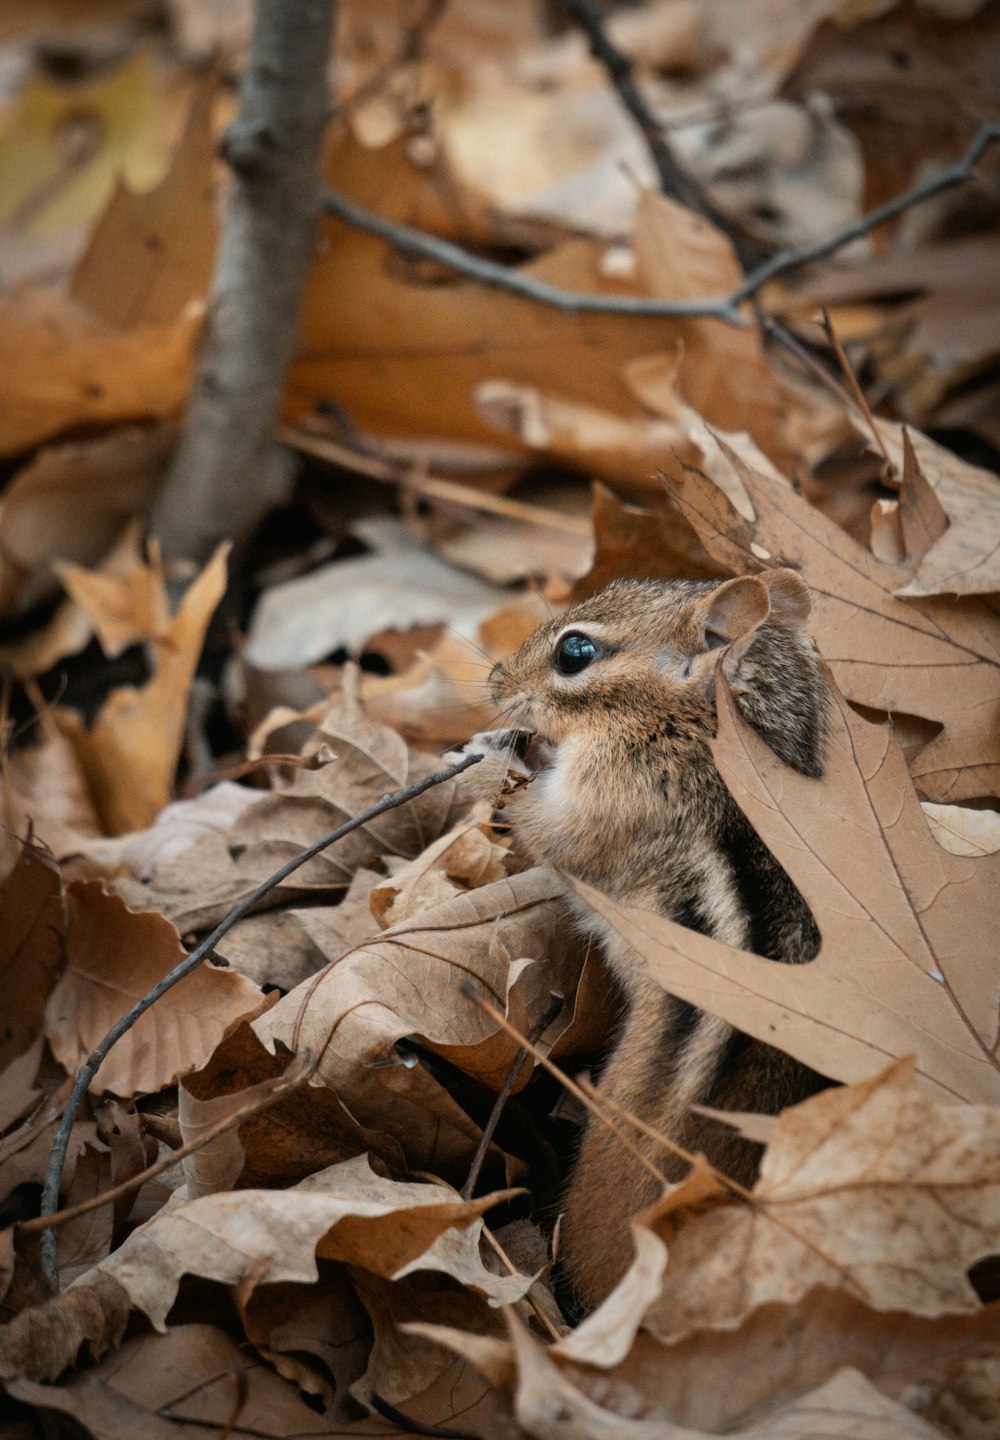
(618, 695)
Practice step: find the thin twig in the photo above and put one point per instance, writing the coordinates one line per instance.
(471, 993)
(593, 1100)
(398, 471)
(300, 1070)
(674, 179)
(857, 394)
(946, 179)
(503, 1094)
(53, 1175)
(503, 1257)
(410, 241)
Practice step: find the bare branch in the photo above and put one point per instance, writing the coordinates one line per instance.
(53, 1175)
(410, 241)
(674, 178)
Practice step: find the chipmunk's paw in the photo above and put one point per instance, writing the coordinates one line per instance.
(504, 768)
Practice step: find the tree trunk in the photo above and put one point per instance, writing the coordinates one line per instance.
(228, 470)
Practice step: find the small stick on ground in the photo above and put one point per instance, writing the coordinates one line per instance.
(503, 1095)
(53, 1175)
(301, 1069)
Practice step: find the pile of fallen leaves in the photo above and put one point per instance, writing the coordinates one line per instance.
(279, 1212)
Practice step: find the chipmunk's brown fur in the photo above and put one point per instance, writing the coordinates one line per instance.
(632, 803)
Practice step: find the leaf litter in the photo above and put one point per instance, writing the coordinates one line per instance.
(322, 1245)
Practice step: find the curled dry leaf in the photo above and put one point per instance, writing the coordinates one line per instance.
(934, 658)
(464, 859)
(959, 556)
(907, 962)
(70, 503)
(130, 752)
(345, 1212)
(408, 982)
(402, 1361)
(854, 1185)
(114, 956)
(126, 603)
(297, 1135)
(44, 1340)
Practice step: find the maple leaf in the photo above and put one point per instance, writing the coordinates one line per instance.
(925, 656)
(907, 962)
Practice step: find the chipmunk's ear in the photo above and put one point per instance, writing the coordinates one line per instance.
(791, 602)
(734, 610)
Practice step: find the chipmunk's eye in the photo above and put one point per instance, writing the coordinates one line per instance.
(574, 653)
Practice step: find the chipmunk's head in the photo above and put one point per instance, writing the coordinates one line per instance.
(640, 657)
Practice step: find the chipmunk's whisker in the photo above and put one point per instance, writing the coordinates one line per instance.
(479, 650)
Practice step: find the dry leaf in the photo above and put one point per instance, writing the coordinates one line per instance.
(402, 1361)
(546, 1403)
(72, 503)
(18, 1092)
(960, 556)
(723, 373)
(126, 603)
(932, 658)
(342, 605)
(63, 368)
(318, 1338)
(855, 1184)
(284, 947)
(217, 1165)
(130, 752)
(630, 543)
(462, 860)
(408, 981)
(117, 113)
(434, 344)
(345, 1212)
(114, 956)
(442, 699)
(297, 1135)
(43, 1340)
(151, 252)
(963, 831)
(907, 962)
(33, 924)
(628, 451)
(190, 1371)
(777, 1352)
